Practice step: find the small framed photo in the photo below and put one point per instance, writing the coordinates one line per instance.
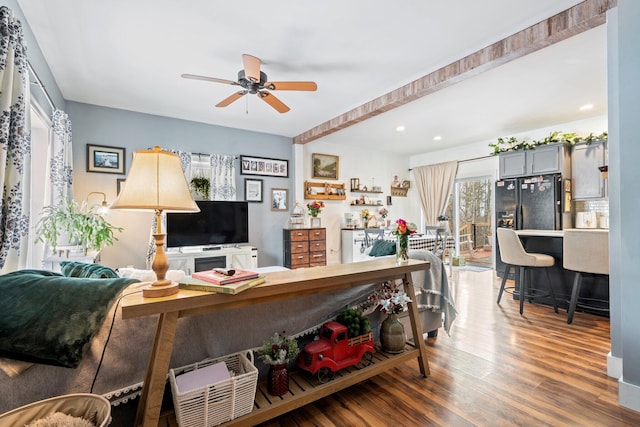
(264, 166)
(279, 199)
(325, 166)
(119, 185)
(253, 190)
(104, 159)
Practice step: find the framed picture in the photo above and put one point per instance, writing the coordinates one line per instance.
(324, 166)
(264, 166)
(279, 199)
(119, 185)
(104, 159)
(253, 190)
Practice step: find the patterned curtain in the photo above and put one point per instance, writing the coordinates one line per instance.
(434, 185)
(15, 144)
(59, 186)
(223, 177)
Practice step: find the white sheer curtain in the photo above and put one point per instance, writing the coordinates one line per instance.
(223, 177)
(434, 183)
(15, 145)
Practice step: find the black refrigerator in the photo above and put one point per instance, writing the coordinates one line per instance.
(528, 203)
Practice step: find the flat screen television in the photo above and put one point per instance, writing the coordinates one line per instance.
(217, 223)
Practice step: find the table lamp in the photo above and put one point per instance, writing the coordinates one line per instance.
(156, 182)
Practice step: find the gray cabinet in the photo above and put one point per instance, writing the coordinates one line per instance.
(588, 182)
(544, 159)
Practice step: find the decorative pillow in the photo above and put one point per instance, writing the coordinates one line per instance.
(90, 271)
(383, 248)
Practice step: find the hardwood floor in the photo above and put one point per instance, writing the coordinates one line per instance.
(496, 369)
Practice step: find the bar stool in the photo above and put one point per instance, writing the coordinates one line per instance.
(585, 252)
(513, 255)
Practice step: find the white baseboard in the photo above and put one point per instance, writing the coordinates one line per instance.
(628, 395)
(614, 366)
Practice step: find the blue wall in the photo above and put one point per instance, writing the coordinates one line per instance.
(135, 131)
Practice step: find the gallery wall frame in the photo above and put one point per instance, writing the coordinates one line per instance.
(264, 166)
(119, 185)
(325, 166)
(279, 199)
(253, 190)
(105, 159)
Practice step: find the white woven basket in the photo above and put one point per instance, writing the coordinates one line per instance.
(219, 402)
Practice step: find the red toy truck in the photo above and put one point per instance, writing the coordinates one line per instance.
(334, 350)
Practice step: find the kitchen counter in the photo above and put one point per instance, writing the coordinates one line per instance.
(550, 242)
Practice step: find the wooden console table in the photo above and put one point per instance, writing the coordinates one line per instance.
(278, 286)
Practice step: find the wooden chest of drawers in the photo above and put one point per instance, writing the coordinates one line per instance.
(304, 247)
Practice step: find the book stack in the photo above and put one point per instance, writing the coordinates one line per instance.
(222, 280)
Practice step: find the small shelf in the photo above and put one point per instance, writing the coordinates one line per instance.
(365, 204)
(305, 388)
(366, 191)
(328, 191)
(399, 191)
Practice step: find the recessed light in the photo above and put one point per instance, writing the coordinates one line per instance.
(437, 138)
(586, 107)
(400, 128)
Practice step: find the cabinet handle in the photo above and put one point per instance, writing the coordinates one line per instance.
(300, 257)
(299, 246)
(318, 256)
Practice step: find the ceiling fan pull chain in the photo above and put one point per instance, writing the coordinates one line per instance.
(246, 108)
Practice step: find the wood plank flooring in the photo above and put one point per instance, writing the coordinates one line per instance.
(496, 369)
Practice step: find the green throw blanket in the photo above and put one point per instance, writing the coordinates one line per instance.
(48, 318)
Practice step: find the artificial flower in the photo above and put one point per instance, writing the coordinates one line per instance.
(383, 212)
(315, 208)
(279, 349)
(403, 228)
(391, 298)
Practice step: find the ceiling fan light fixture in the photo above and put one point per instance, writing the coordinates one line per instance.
(255, 81)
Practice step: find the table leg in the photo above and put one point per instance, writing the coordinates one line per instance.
(154, 382)
(416, 325)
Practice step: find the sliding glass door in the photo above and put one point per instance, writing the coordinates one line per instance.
(472, 220)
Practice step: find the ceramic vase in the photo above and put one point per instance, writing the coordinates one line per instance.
(392, 335)
(402, 249)
(278, 380)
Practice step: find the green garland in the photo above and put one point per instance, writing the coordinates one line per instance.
(512, 143)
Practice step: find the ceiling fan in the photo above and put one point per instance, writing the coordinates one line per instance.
(254, 81)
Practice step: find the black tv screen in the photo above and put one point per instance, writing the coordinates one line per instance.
(217, 223)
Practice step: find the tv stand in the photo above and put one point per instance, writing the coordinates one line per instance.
(191, 260)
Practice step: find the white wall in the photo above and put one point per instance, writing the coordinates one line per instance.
(372, 168)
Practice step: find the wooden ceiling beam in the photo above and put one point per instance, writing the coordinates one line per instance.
(581, 17)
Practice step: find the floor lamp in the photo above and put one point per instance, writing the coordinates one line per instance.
(156, 182)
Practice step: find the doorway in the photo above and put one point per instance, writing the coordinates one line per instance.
(473, 220)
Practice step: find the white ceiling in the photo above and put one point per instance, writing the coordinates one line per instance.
(130, 55)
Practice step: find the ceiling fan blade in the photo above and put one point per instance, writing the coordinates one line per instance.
(228, 100)
(209, 79)
(273, 101)
(310, 86)
(251, 67)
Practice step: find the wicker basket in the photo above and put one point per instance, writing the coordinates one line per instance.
(91, 407)
(219, 402)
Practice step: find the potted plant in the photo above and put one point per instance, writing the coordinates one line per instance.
(74, 224)
(200, 186)
(276, 352)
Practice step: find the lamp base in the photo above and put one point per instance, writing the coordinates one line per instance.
(160, 288)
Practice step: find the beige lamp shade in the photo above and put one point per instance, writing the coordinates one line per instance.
(156, 182)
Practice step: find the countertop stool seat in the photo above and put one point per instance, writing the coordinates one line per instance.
(587, 253)
(514, 255)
